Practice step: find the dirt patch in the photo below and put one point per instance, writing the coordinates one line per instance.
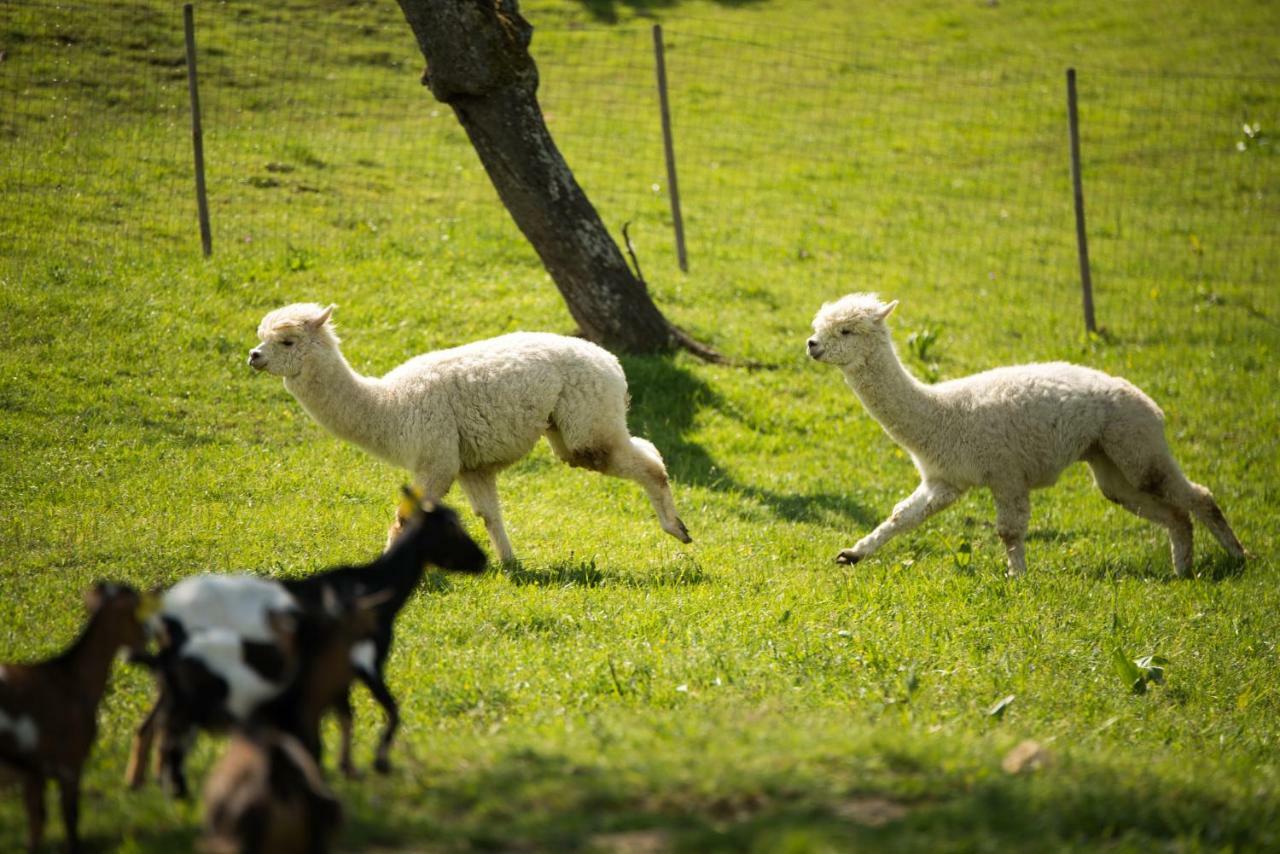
(631, 842)
(871, 811)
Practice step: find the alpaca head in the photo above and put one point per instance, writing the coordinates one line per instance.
(847, 330)
(290, 336)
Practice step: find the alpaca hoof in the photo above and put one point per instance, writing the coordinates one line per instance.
(382, 765)
(848, 557)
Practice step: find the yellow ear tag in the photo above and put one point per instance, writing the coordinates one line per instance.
(410, 500)
(148, 607)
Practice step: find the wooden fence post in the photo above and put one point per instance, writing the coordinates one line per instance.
(669, 147)
(1077, 184)
(197, 132)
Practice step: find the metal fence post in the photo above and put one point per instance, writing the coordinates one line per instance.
(197, 132)
(1077, 185)
(669, 147)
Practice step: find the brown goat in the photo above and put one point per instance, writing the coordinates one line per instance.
(49, 709)
(266, 794)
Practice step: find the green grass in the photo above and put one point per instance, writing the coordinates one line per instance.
(617, 690)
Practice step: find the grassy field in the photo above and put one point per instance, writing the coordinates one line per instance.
(619, 691)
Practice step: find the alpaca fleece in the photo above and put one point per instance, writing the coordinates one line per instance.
(466, 413)
(1012, 430)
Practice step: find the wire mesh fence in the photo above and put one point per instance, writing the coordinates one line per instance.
(885, 163)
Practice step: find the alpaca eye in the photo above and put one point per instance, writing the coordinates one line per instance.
(288, 342)
(846, 331)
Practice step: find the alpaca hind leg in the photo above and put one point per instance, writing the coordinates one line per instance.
(1116, 487)
(637, 460)
(1013, 513)
(929, 498)
(1191, 496)
(481, 488)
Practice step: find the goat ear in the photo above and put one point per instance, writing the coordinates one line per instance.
(887, 310)
(322, 318)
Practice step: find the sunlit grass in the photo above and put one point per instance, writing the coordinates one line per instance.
(618, 688)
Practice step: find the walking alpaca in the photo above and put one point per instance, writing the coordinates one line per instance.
(1011, 430)
(471, 411)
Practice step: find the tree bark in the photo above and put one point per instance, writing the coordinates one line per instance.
(478, 63)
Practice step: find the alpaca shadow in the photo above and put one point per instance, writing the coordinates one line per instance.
(606, 11)
(1219, 567)
(1216, 567)
(585, 573)
(665, 401)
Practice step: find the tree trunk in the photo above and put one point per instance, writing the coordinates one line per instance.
(478, 63)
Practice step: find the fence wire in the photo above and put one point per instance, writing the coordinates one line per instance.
(885, 163)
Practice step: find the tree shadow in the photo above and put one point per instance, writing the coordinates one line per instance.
(665, 401)
(508, 806)
(606, 11)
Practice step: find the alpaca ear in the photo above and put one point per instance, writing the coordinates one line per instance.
(887, 310)
(321, 318)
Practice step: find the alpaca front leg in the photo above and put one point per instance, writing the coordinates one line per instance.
(1013, 512)
(929, 498)
(481, 488)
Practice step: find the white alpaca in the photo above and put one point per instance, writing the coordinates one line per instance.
(1011, 430)
(471, 411)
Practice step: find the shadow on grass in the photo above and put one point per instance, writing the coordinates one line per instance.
(606, 11)
(1218, 566)
(665, 401)
(535, 801)
(571, 573)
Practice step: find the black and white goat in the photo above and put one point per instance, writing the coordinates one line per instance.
(212, 679)
(49, 710)
(227, 622)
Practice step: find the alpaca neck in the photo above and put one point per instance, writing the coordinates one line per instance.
(902, 405)
(341, 400)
